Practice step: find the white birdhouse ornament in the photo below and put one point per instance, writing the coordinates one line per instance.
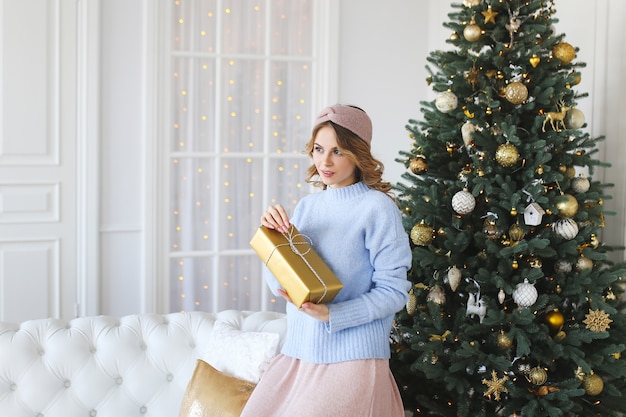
(533, 213)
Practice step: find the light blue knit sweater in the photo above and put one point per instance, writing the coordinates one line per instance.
(358, 232)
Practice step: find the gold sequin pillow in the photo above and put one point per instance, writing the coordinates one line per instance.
(213, 393)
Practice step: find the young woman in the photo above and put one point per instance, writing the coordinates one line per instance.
(335, 360)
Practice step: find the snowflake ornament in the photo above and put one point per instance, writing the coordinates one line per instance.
(597, 321)
(495, 386)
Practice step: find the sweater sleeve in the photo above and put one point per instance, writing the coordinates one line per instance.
(390, 257)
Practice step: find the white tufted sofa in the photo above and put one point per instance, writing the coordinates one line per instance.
(138, 365)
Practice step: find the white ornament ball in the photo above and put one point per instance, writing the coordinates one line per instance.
(562, 266)
(463, 202)
(525, 294)
(574, 118)
(566, 228)
(446, 101)
(454, 278)
(580, 184)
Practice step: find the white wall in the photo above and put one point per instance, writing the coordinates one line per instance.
(382, 50)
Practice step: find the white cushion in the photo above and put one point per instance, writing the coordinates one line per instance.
(242, 354)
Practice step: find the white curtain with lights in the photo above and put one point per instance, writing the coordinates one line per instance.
(240, 97)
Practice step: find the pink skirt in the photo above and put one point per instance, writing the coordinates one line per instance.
(290, 387)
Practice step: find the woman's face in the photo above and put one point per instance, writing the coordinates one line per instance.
(334, 168)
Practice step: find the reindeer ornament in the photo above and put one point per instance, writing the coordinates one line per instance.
(556, 118)
(476, 306)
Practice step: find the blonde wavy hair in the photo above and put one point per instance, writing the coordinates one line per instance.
(367, 168)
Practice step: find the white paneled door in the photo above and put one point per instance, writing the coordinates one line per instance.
(38, 203)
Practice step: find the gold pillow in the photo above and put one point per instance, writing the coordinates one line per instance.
(211, 393)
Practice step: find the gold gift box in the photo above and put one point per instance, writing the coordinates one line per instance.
(298, 269)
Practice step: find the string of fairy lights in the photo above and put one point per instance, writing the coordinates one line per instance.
(241, 88)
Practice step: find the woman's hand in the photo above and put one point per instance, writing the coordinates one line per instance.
(275, 217)
(317, 311)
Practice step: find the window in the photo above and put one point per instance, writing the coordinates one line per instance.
(243, 84)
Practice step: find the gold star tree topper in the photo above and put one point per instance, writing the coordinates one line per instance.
(597, 321)
(495, 386)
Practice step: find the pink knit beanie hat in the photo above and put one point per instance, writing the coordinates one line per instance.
(349, 117)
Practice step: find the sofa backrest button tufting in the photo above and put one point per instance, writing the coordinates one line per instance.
(41, 352)
(93, 413)
(119, 380)
(39, 414)
(143, 346)
(170, 377)
(143, 410)
(67, 383)
(13, 387)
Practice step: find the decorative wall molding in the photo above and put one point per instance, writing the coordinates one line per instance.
(88, 146)
(29, 202)
(30, 279)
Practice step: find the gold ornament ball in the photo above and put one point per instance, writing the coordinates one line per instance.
(555, 320)
(593, 384)
(537, 376)
(422, 234)
(503, 340)
(507, 155)
(574, 118)
(564, 52)
(418, 165)
(567, 205)
(583, 263)
(516, 92)
(472, 32)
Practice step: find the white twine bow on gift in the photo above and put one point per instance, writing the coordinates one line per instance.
(290, 236)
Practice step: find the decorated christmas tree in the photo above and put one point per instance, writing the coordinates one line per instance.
(516, 307)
